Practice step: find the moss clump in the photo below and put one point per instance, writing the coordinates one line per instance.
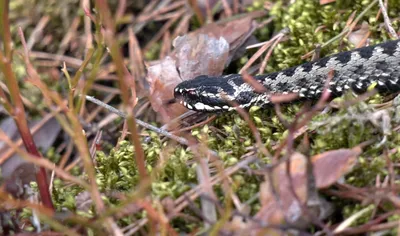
(118, 171)
(64, 197)
(311, 23)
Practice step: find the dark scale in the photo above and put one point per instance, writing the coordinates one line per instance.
(281, 84)
(344, 57)
(359, 87)
(307, 67)
(289, 72)
(245, 97)
(271, 76)
(322, 62)
(360, 69)
(382, 65)
(390, 47)
(366, 52)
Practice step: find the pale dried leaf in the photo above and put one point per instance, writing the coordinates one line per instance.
(358, 38)
(238, 34)
(199, 55)
(163, 78)
(328, 168)
(203, 52)
(194, 55)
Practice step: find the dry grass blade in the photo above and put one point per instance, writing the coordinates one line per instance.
(123, 77)
(263, 49)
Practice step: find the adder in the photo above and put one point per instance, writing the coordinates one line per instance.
(355, 70)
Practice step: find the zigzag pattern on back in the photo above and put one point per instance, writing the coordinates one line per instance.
(352, 70)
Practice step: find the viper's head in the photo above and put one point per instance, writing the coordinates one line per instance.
(203, 93)
(208, 93)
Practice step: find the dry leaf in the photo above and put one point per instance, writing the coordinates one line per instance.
(359, 38)
(280, 204)
(199, 55)
(163, 78)
(330, 166)
(194, 55)
(238, 33)
(204, 52)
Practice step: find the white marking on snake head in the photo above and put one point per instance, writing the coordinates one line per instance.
(208, 108)
(199, 106)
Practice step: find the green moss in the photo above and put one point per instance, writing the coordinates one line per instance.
(311, 23)
(64, 196)
(118, 171)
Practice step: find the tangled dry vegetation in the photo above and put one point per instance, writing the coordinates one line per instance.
(85, 110)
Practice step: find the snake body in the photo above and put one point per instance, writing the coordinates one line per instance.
(355, 70)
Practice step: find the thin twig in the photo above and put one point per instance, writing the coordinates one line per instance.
(388, 23)
(167, 134)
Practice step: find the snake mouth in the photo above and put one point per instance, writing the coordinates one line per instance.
(179, 96)
(195, 100)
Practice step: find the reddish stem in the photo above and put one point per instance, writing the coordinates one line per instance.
(18, 110)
